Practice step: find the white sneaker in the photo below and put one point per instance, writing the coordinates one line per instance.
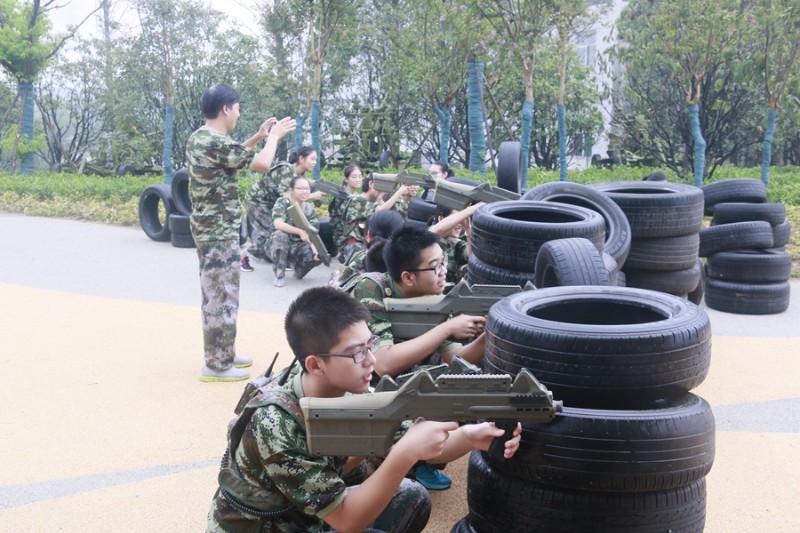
(242, 362)
(232, 374)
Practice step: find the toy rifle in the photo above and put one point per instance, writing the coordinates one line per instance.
(412, 317)
(300, 221)
(366, 424)
(330, 188)
(459, 196)
(389, 182)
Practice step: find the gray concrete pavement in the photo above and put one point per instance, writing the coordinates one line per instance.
(105, 426)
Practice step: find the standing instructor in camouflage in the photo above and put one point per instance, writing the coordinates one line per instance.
(214, 160)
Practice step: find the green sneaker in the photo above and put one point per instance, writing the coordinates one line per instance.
(232, 374)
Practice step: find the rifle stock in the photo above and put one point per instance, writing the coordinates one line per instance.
(412, 317)
(299, 219)
(366, 424)
(330, 188)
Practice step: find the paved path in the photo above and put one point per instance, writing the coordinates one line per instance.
(105, 426)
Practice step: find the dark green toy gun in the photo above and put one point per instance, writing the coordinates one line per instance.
(366, 424)
(300, 221)
(389, 182)
(459, 196)
(330, 188)
(412, 317)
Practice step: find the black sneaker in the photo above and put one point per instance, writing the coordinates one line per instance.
(245, 264)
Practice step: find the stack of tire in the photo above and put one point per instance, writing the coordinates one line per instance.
(665, 220)
(507, 236)
(164, 211)
(747, 269)
(632, 447)
(617, 229)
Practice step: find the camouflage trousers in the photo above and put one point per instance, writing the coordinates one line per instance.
(219, 287)
(283, 251)
(260, 228)
(407, 512)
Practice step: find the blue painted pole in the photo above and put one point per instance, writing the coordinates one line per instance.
(444, 123)
(315, 142)
(477, 134)
(169, 126)
(766, 151)
(298, 129)
(525, 139)
(562, 142)
(699, 145)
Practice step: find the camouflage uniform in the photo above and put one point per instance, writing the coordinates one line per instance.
(335, 211)
(355, 212)
(401, 207)
(259, 201)
(213, 161)
(457, 251)
(273, 466)
(285, 247)
(370, 289)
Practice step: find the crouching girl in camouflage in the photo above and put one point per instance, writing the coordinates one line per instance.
(289, 243)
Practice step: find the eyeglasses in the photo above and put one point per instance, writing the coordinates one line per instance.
(438, 269)
(360, 354)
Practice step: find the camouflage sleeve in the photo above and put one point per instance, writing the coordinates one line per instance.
(311, 215)
(370, 293)
(279, 211)
(231, 154)
(311, 484)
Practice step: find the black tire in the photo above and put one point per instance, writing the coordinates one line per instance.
(180, 231)
(508, 234)
(421, 210)
(326, 235)
(499, 503)
(750, 266)
(675, 282)
(180, 192)
(754, 235)
(601, 347)
(747, 298)
(664, 253)
(696, 295)
(573, 261)
(665, 447)
(509, 166)
(616, 278)
(657, 208)
(385, 159)
(781, 234)
(155, 207)
(416, 224)
(618, 230)
(728, 212)
(735, 190)
(484, 274)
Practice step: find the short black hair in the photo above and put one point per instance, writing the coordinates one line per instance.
(365, 183)
(404, 250)
(317, 317)
(216, 97)
(385, 223)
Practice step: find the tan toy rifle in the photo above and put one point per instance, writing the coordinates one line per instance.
(300, 221)
(459, 196)
(412, 317)
(330, 188)
(389, 182)
(366, 424)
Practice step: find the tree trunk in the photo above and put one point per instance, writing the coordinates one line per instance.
(24, 127)
(444, 140)
(477, 136)
(315, 142)
(699, 145)
(562, 142)
(766, 151)
(169, 124)
(525, 139)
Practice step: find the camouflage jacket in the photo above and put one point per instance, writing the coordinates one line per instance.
(457, 251)
(401, 207)
(335, 211)
(280, 212)
(370, 289)
(355, 212)
(213, 161)
(271, 186)
(276, 469)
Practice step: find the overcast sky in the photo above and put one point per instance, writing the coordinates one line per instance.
(74, 11)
